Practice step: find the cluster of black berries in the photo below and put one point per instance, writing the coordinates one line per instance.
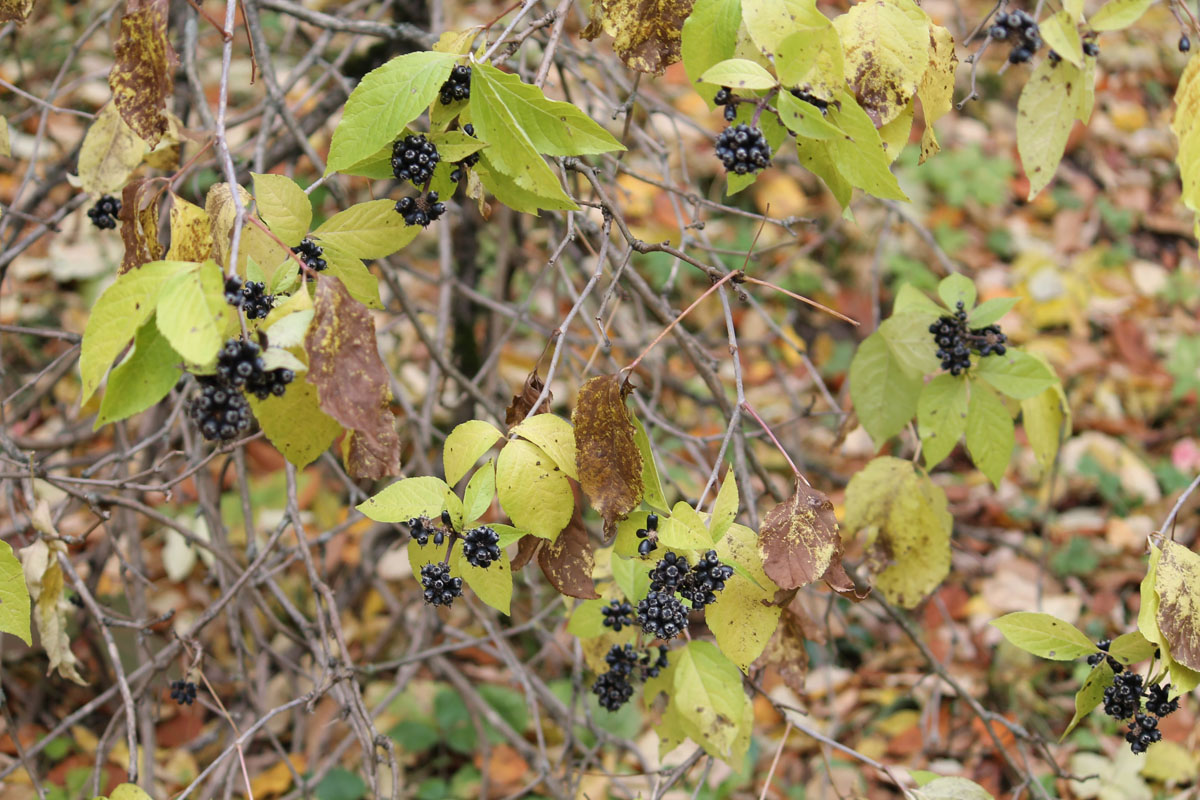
(310, 253)
(422, 529)
(1142, 733)
(662, 615)
(956, 341)
(481, 546)
(649, 536)
(104, 213)
(617, 614)
(822, 105)
(706, 578)
(440, 588)
(1123, 700)
(413, 159)
(743, 149)
(251, 297)
(457, 86)
(1022, 30)
(1095, 658)
(219, 410)
(183, 692)
(728, 99)
(614, 687)
(669, 573)
(421, 210)
(240, 364)
(1124, 697)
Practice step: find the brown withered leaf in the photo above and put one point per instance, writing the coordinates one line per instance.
(787, 653)
(143, 63)
(567, 562)
(15, 10)
(522, 404)
(527, 548)
(837, 579)
(607, 457)
(799, 538)
(1178, 585)
(646, 33)
(139, 223)
(351, 380)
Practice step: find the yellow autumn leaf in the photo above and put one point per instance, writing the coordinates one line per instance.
(1187, 131)
(937, 86)
(191, 232)
(1045, 115)
(886, 43)
(109, 154)
(44, 577)
(741, 619)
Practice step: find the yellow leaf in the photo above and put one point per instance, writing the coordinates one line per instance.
(5, 145)
(533, 491)
(556, 438)
(1187, 131)
(1171, 762)
(646, 33)
(886, 43)
(1178, 587)
(44, 577)
(141, 75)
(937, 86)
(457, 41)
(895, 133)
(1046, 113)
(1062, 36)
(191, 232)
(741, 619)
(109, 154)
(278, 779)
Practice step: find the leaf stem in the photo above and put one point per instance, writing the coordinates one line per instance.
(803, 299)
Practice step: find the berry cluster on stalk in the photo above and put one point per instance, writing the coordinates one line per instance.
(743, 149)
(251, 297)
(705, 579)
(183, 692)
(649, 536)
(414, 158)
(420, 210)
(481, 546)
(729, 100)
(422, 529)
(456, 174)
(956, 342)
(1129, 698)
(457, 86)
(617, 614)
(1022, 30)
(625, 664)
(310, 253)
(219, 410)
(662, 615)
(440, 588)
(104, 213)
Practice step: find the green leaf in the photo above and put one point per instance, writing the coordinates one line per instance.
(284, 206)
(453, 506)
(587, 621)
(1046, 113)
(957, 288)
(192, 313)
(1045, 636)
(1046, 418)
(1016, 374)
(493, 585)
(912, 299)
(652, 491)
(1117, 14)
(465, 444)
(632, 576)
(508, 534)
(725, 508)
(817, 157)
(387, 99)
(884, 395)
(341, 784)
(810, 58)
(886, 47)
(452, 146)
(744, 617)
(534, 492)
(14, 596)
(1062, 36)
(128, 791)
(739, 73)
(1131, 648)
(860, 156)
(710, 34)
(1091, 693)
(804, 119)
(405, 499)
(990, 437)
(942, 416)
(712, 706)
(769, 22)
(142, 379)
(990, 311)
(296, 425)
(684, 529)
(908, 338)
(477, 498)
(117, 315)
(359, 281)
(285, 278)
(555, 436)
(547, 193)
(367, 230)
(289, 330)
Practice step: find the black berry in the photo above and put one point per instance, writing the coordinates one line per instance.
(457, 86)
(310, 253)
(219, 410)
(1185, 44)
(743, 149)
(651, 668)
(270, 382)
(104, 213)
(646, 546)
(183, 692)
(662, 615)
(440, 588)
(669, 573)
(1020, 55)
(240, 361)
(706, 578)
(419, 529)
(955, 342)
(255, 301)
(481, 546)
(613, 690)
(652, 522)
(1157, 702)
(617, 615)
(1123, 698)
(233, 291)
(421, 210)
(822, 105)
(1021, 30)
(1091, 49)
(413, 159)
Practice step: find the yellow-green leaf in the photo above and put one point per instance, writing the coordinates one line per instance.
(465, 444)
(477, 497)
(990, 437)
(1046, 417)
(725, 509)
(1046, 113)
(884, 394)
(860, 157)
(1117, 14)
(556, 438)
(810, 59)
(367, 230)
(886, 45)
(192, 312)
(128, 791)
(1186, 127)
(533, 491)
(284, 206)
(710, 34)
(937, 86)
(744, 616)
(109, 153)
(1062, 36)
(712, 705)
(493, 585)
(145, 376)
(5, 144)
(739, 73)
(359, 281)
(295, 423)
(424, 496)
(652, 491)
(769, 22)
(942, 417)
(1178, 587)
(1045, 636)
(684, 529)
(14, 597)
(1090, 694)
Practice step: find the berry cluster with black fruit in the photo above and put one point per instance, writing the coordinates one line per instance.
(743, 149)
(422, 529)
(618, 614)
(1019, 28)
(104, 213)
(240, 364)
(481, 546)
(413, 159)
(649, 536)
(219, 410)
(251, 297)
(625, 665)
(457, 86)
(662, 614)
(420, 210)
(956, 342)
(822, 105)
(440, 588)
(1123, 700)
(311, 254)
(729, 100)
(183, 692)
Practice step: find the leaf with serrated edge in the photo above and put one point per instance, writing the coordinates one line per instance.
(805, 119)
(109, 153)
(192, 312)
(769, 22)
(283, 206)
(632, 575)
(146, 376)
(886, 45)
(708, 693)
(990, 311)
(359, 281)
(956, 288)
(860, 156)
(908, 338)
(533, 491)
(465, 444)
(1045, 636)
(407, 499)
(477, 497)
(744, 616)
(1131, 648)
(367, 230)
(810, 59)
(1045, 115)
(556, 438)
(884, 395)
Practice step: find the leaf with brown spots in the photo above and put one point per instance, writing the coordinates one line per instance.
(609, 462)
(567, 562)
(799, 538)
(646, 33)
(351, 380)
(15, 10)
(111, 150)
(886, 43)
(522, 404)
(1178, 585)
(142, 68)
(191, 233)
(139, 224)
(786, 652)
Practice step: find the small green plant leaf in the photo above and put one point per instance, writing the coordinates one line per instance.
(859, 155)
(952, 788)
(1045, 636)
(129, 791)
(1118, 14)
(452, 146)
(492, 584)
(556, 438)
(810, 58)
(907, 336)
(990, 436)
(192, 313)
(533, 491)
(295, 423)
(1062, 35)
(465, 444)
(956, 288)
(651, 484)
(725, 509)
(1131, 648)
(713, 708)
(1016, 374)
(481, 489)
(739, 73)
(990, 311)
(1046, 112)
(769, 22)
(804, 119)
(406, 499)
(14, 597)
(744, 616)
(942, 416)
(910, 299)
(710, 34)
(145, 376)
(884, 394)
(632, 576)
(1090, 694)
(1046, 418)
(284, 206)
(684, 529)
(367, 230)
